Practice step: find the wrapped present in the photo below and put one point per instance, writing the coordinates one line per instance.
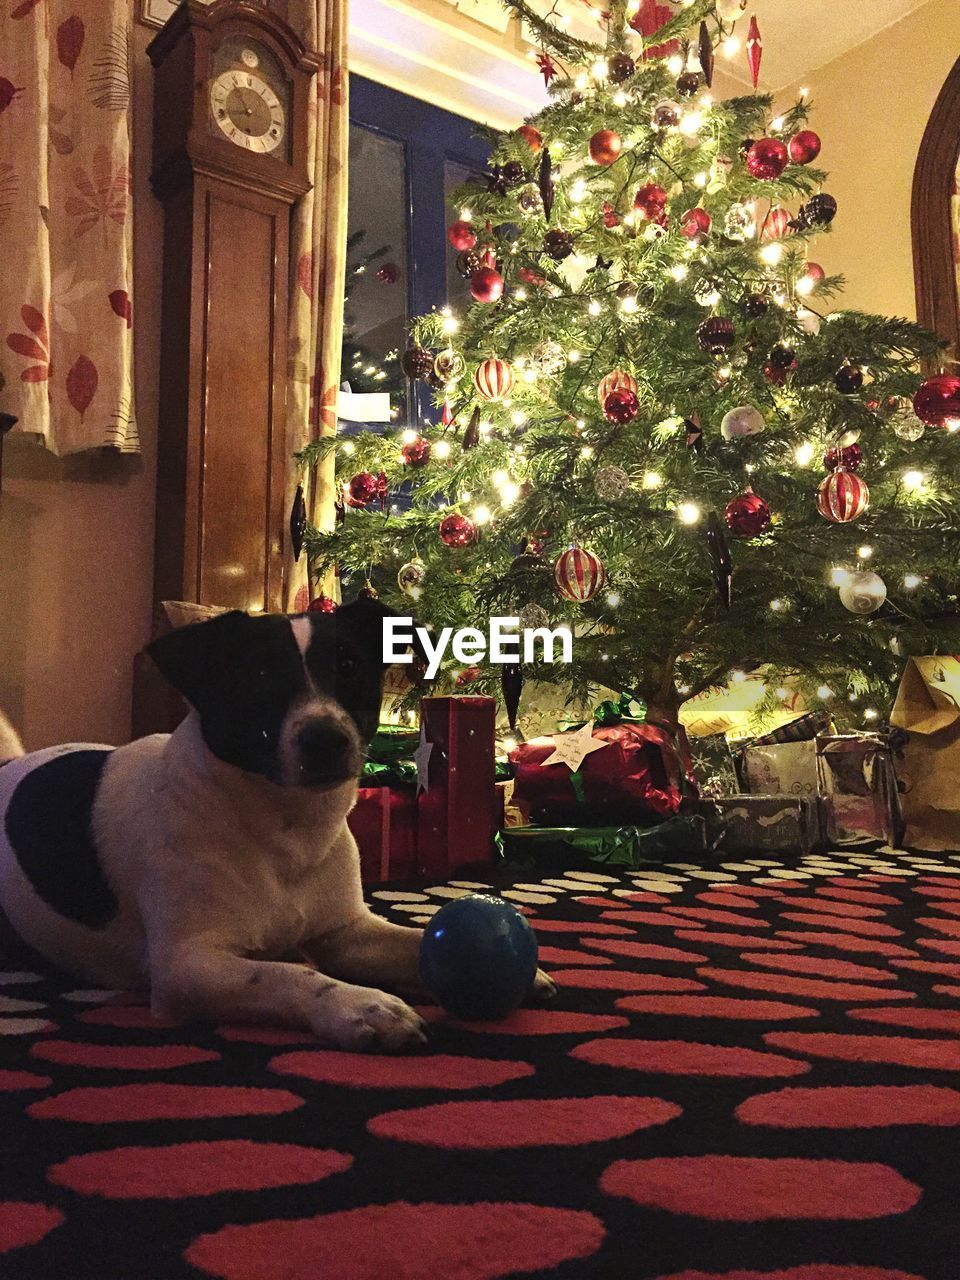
(763, 824)
(786, 769)
(384, 825)
(620, 847)
(738, 710)
(458, 806)
(859, 781)
(714, 766)
(628, 772)
(928, 708)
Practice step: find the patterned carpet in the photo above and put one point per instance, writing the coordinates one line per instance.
(751, 1072)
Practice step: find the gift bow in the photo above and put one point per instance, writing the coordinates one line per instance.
(610, 712)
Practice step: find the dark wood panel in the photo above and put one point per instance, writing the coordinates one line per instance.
(933, 242)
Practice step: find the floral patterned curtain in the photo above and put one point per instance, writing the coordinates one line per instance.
(318, 258)
(66, 239)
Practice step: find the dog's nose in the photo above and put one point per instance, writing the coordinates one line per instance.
(321, 741)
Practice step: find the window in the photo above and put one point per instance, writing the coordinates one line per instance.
(406, 156)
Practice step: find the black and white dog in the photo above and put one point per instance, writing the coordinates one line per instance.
(197, 864)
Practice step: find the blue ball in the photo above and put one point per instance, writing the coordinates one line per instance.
(478, 957)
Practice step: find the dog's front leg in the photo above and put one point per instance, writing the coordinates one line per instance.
(197, 979)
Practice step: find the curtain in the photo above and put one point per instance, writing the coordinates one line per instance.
(66, 356)
(318, 263)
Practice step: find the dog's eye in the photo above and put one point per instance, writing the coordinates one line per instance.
(346, 663)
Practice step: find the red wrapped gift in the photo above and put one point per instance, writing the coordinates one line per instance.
(384, 825)
(638, 776)
(458, 808)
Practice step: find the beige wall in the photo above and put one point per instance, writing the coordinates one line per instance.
(871, 107)
(76, 535)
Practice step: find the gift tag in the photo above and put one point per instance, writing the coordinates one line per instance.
(572, 749)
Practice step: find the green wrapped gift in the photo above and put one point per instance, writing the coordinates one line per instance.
(627, 846)
(390, 758)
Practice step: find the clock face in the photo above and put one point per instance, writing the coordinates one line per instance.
(246, 108)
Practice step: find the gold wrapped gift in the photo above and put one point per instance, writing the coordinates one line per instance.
(928, 707)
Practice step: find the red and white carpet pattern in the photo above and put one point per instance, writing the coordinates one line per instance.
(752, 1072)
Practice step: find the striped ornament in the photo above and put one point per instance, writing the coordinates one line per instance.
(493, 379)
(579, 574)
(842, 497)
(616, 380)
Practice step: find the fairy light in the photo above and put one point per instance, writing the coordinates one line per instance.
(952, 425)
(612, 599)
(509, 493)
(499, 478)
(824, 692)
(771, 253)
(529, 374)
(731, 46)
(691, 124)
(911, 581)
(482, 515)
(594, 307)
(865, 552)
(839, 575)
(441, 449)
(520, 295)
(701, 179)
(573, 356)
(466, 214)
(777, 605)
(586, 451)
(620, 99)
(450, 324)
(913, 481)
(628, 305)
(724, 373)
(804, 93)
(410, 435)
(510, 743)
(349, 447)
(803, 455)
(518, 417)
(679, 272)
(675, 64)
(782, 693)
(652, 479)
(777, 124)
(581, 81)
(870, 714)
(484, 427)
(738, 677)
(600, 70)
(578, 191)
(688, 513)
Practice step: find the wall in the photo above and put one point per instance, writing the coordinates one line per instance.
(76, 534)
(871, 108)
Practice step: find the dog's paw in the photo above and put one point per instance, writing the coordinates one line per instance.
(373, 1022)
(542, 990)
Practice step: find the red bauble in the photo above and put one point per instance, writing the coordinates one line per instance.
(457, 531)
(775, 224)
(937, 401)
(776, 375)
(695, 222)
(493, 379)
(533, 277)
(462, 235)
(651, 200)
(467, 676)
(716, 334)
(605, 146)
(804, 146)
(767, 159)
(616, 380)
(531, 136)
(842, 497)
(558, 244)
(389, 273)
(579, 574)
(486, 285)
(747, 515)
(849, 458)
(362, 489)
(621, 406)
(611, 218)
(322, 604)
(416, 453)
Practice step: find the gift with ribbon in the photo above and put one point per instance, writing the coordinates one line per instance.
(858, 778)
(618, 768)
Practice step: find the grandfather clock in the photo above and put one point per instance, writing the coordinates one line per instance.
(232, 84)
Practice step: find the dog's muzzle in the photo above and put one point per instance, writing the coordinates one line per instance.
(327, 752)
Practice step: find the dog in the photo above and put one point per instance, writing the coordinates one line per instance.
(214, 866)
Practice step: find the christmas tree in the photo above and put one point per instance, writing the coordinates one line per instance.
(656, 426)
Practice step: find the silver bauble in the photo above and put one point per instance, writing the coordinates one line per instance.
(611, 484)
(905, 424)
(529, 201)
(410, 577)
(532, 616)
(738, 222)
(549, 359)
(863, 592)
(731, 10)
(666, 115)
(742, 421)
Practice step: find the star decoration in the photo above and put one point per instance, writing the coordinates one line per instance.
(547, 66)
(572, 749)
(421, 758)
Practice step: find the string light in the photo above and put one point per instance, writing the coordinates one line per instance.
(771, 254)
(482, 515)
(864, 552)
(701, 180)
(777, 606)
(586, 451)
(913, 481)
(688, 512)
(594, 307)
(578, 191)
(691, 123)
(839, 575)
(804, 454)
(520, 295)
(441, 449)
(652, 480)
(628, 304)
(349, 447)
(409, 436)
(509, 493)
(870, 714)
(824, 692)
(675, 64)
(679, 272)
(738, 677)
(600, 70)
(499, 478)
(573, 356)
(911, 581)
(518, 417)
(777, 124)
(450, 324)
(510, 743)
(612, 599)
(731, 46)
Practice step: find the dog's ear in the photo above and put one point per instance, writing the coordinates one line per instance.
(193, 658)
(364, 618)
